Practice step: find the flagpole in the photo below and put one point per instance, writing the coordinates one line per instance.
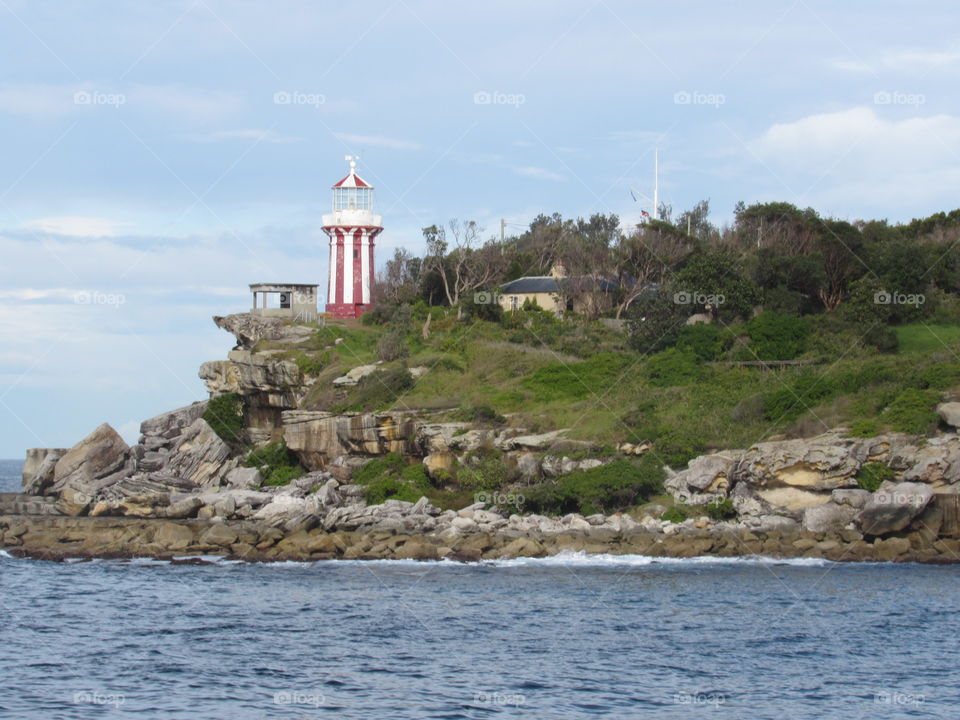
(656, 184)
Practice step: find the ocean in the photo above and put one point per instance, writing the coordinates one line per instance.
(564, 637)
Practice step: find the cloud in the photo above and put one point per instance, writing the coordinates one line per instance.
(267, 136)
(188, 103)
(75, 226)
(857, 158)
(538, 172)
(902, 60)
(377, 141)
(38, 99)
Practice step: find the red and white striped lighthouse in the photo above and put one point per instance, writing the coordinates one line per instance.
(351, 227)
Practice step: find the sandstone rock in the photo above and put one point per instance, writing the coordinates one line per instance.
(855, 498)
(249, 329)
(823, 462)
(99, 455)
(200, 456)
(354, 376)
(219, 534)
(170, 424)
(173, 536)
(528, 466)
(244, 477)
(949, 412)
(439, 465)
(893, 509)
(891, 548)
(319, 437)
(530, 442)
(38, 469)
(937, 462)
(185, 508)
(828, 517)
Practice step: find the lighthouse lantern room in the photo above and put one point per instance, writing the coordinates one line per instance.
(352, 228)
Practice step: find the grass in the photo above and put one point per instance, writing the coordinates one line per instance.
(926, 338)
(560, 374)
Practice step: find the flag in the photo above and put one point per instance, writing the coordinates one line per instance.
(645, 213)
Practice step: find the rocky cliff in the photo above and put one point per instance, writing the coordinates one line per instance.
(806, 493)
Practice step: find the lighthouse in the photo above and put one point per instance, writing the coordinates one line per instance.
(352, 228)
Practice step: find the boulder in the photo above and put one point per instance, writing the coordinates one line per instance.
(354, 376)
(318, 437)
(949, 412)
(249, 329)
(244, 477)
(170, 424)
(38, 469)
(855, 498)
(439, 465)
(530, 442)
(894, 508)
(200, 456)
(528, 466)
(819, 463)
(85, 466)
(828, 517)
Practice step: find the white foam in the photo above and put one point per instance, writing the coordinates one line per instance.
(582, 559)
(5, 554)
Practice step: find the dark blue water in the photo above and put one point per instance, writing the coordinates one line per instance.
(10, 479)
(558, 638)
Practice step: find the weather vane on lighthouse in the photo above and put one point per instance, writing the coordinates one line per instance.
(352, 228)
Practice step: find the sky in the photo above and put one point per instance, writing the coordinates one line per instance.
(159, 157)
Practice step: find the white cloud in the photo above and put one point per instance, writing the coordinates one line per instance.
(75, 226)
(377, 141)
(179, 101)
(267, 136)
(857, 158)
(38, 99)
(900, 60)
(538, 172)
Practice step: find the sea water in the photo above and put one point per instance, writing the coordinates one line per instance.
(572, 636)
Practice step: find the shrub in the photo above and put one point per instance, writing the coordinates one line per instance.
(570, 381)
(721, 509)
(391, 477)
(864, 428)
(392, 346)
(882, 338)
(379, 389)
(485, 470)
(608, 488)
(481, 415)
(672, 367)
(276, 462)
(224, 414)
(312, 365)
(675, 514)
(789, 403)
(706, 342)
(776, 337)
(872, 475)
(912, 412)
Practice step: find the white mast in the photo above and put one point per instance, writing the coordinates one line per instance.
(656, 184)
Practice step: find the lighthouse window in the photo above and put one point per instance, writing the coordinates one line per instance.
(352, 199)
(356, 254)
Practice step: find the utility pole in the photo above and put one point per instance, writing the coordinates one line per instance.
(503, 227)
